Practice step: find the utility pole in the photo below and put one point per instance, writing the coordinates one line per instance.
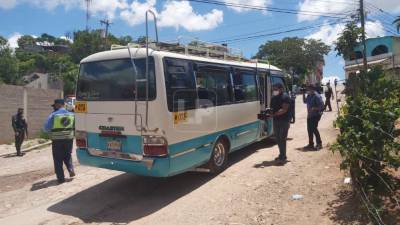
(88, 2)
(107, 23)
(362, 18)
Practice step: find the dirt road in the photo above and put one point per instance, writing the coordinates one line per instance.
(252, 190)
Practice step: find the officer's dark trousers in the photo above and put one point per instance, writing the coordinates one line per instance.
(328, 104)
(19, 139)
(62, 150)
(281, 128)
(312, 128)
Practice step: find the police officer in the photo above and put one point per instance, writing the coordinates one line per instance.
(20, 129)
(328, 96)
(60, 126)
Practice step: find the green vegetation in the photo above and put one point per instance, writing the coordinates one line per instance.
(297, 55)
(28, 57)
(348, 39)
(369, 142)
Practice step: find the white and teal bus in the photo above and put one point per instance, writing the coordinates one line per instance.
(159, 113)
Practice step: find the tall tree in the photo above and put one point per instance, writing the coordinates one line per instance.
(26, 41)
(348, 40)
(293, 54)
(85, 44)
(8, 63)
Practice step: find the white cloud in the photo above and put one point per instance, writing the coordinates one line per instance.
(255, 3)
(52, 4)
(181, 14)
(321, 8)
(174, 13)
(8, 4)
(374, 29)
(106, 7)
(135, 13)
(329, 33)
(329, 8)
(13, 40)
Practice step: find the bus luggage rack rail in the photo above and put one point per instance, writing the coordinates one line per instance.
(196, 48)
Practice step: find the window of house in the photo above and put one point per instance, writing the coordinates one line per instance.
(380, 49)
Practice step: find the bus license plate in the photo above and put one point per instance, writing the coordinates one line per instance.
(114, 146)
(81, 107)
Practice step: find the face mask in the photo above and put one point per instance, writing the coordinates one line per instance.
(275, 93)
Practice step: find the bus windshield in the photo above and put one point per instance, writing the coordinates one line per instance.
(114, 80)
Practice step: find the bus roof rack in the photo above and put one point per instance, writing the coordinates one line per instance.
(194, 47)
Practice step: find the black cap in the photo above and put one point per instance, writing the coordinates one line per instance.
(59, 101)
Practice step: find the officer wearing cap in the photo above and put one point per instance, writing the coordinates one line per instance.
(60, 126)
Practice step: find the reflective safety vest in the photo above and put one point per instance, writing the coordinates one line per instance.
(63, 127)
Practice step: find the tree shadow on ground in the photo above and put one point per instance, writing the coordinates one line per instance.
(346, 209)
(127, 197)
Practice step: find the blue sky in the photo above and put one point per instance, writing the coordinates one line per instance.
(198, 20)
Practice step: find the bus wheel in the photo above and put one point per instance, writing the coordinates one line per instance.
(219, 157)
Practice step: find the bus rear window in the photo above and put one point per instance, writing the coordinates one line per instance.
(114, 80)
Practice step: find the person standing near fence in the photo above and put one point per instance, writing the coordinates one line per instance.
(60, 125)
(20, 127)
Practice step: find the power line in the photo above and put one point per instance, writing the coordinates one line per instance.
(252, 37)
(327, 1)
(274, 9)
(381, 10)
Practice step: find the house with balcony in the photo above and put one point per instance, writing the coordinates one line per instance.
(381, 51)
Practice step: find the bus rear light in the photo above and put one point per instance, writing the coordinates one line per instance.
(155, 146)
(81, 139)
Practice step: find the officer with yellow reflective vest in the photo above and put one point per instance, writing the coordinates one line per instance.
(60, 125)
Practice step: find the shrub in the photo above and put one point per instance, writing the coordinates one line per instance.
(368, 142)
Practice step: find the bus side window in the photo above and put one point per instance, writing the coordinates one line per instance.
(245, 86)
(276, 80)
(180, 85)
(213, 86)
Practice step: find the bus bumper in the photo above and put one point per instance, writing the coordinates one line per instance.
(155, 167)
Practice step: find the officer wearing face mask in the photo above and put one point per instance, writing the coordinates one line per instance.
(280, 104)
(20, 129)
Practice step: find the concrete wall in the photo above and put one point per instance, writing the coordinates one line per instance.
(36, 103)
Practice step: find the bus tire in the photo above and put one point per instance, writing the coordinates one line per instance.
(219, 157)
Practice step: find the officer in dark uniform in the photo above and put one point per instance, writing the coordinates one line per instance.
(60, 125)
(20, 127)
(328, 96)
